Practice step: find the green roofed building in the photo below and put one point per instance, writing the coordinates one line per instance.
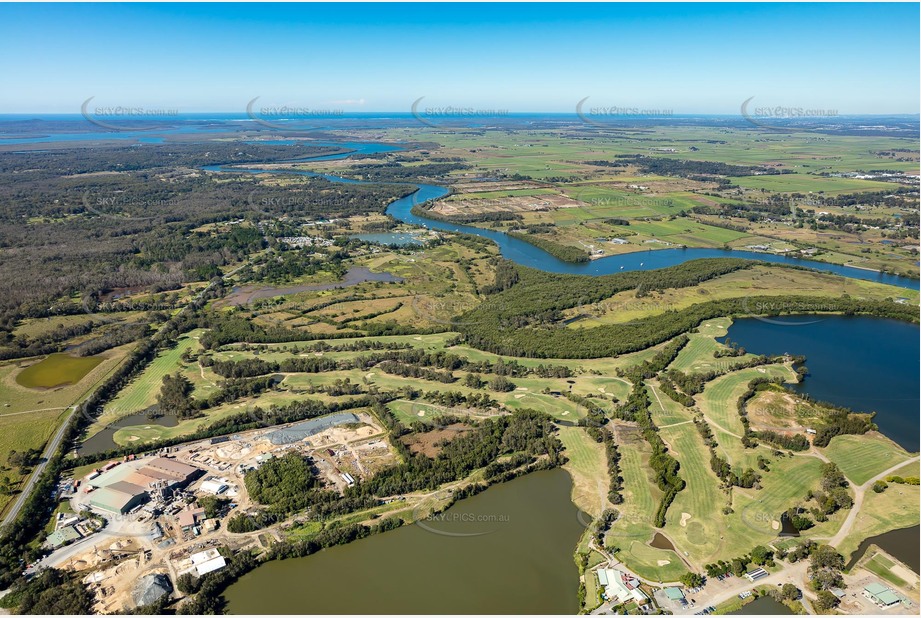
(65, 535)
(882, 595)
(674, 593)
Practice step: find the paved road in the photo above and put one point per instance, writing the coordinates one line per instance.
(859, 493)
(794, 574)
(55, 441)
(37, 471)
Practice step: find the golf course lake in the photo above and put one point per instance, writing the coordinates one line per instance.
(864, 363)
(508, 550)
(764, 606)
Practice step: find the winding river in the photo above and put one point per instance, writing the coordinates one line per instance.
(528, 255)
(412, 570)
(896, 368)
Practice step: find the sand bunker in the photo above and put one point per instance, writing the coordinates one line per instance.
(684, 519)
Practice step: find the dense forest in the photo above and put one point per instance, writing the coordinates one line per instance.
(81, 222)
(524, 318)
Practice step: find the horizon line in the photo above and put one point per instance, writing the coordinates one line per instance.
(172, 113)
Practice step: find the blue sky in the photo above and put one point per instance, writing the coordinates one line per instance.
(705, 58)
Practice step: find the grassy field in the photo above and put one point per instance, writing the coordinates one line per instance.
(694, 519)
(880, 565)
(29, 416)
(760, 280)
(22, 433)
(697, 355)
(633, 531)
(142, 392)
(57, 370)
(863, 457)
(718, 403)
(806, 183)
(897, 507)
(588, 468)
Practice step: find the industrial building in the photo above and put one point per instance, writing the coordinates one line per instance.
(214, 487)
(121, 488)
(208, 561)
(62, 536)
(299, 431)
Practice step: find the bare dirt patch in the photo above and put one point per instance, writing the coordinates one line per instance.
(512, 204)
(779, 411)
(431, 442)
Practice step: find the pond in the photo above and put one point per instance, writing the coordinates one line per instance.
(57, 370)
(763, 606)
(901, 544)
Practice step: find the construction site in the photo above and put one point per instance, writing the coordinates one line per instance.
(135, 525)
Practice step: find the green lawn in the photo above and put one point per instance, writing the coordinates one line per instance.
(587, 465)
(881, 566)
(142, 392)
(863, 457)
(694, 520)
(719, 400)
(632, 532)
(895, 508)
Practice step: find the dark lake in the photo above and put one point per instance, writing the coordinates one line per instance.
(864, 363)
(508, 550)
